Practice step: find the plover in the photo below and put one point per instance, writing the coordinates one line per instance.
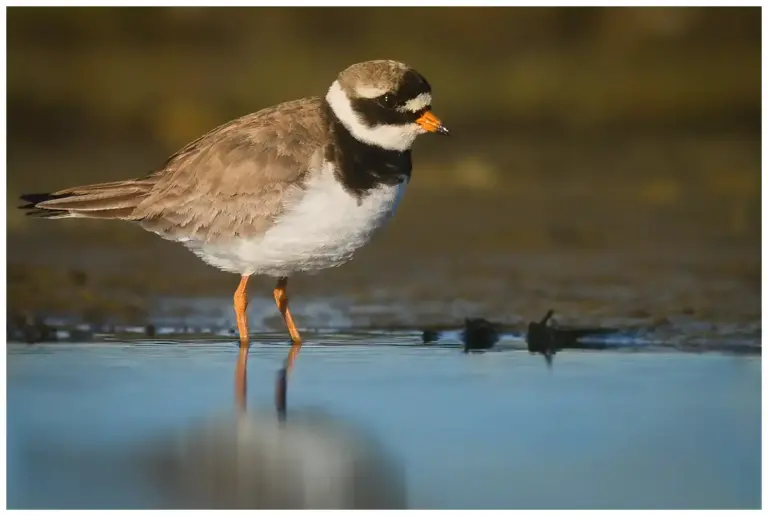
(297, 187)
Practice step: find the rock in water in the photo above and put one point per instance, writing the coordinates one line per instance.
(254, 461)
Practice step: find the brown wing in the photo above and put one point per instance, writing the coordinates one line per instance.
(233, 180)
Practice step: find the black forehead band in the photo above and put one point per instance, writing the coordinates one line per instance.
(412, 85)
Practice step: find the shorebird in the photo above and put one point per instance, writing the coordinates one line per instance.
(297, 187)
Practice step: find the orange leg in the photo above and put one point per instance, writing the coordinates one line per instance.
(241, 303)
(281, 299)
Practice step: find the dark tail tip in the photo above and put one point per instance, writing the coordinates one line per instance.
(33, 199)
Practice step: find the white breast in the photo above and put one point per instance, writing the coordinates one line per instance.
(322, 229)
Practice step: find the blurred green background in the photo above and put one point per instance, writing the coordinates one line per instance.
(619, 130)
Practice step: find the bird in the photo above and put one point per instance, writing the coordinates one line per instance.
(297, 187)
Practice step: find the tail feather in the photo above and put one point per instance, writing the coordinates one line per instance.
(115, 200)
(46, 214)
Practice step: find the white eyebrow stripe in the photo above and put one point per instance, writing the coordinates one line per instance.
(369, 92)
(417, 103)
(393, 137)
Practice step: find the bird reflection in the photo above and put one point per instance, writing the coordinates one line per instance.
(241, 380)
(257, 461)
(241, 386)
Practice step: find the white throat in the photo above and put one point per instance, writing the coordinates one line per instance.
(391, 137)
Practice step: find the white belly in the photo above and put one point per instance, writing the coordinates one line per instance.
(322, 229)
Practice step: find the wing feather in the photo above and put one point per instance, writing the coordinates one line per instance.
(237, 178)
(234, 180)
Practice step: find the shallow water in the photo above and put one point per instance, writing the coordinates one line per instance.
(610, 429)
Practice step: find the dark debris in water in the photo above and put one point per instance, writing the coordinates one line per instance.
(430, 335)
(547, 335)
(548, 338)
(479, 334)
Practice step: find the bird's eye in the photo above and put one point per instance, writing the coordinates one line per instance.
(387, 100)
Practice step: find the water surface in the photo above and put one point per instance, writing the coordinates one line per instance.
(611, 429)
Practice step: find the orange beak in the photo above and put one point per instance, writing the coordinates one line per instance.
(430, 123)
